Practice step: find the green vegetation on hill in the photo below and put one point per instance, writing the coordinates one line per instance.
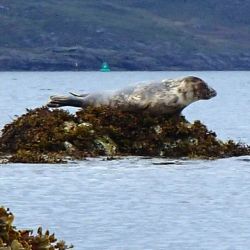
(132, 34)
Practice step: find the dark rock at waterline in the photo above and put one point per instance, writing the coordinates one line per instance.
(52, 136)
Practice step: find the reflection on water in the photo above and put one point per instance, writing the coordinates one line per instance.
(134, 203)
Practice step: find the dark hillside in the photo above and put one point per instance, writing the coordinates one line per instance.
(130, 35)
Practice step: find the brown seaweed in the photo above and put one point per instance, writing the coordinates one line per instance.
(13, 239)
(49, 136)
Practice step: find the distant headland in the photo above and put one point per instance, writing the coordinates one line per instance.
(129, 35)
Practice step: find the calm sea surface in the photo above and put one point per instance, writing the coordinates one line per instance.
(134, 203)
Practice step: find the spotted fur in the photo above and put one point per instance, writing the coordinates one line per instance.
(159, 97)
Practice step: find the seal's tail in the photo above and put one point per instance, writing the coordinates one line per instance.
(60, 101)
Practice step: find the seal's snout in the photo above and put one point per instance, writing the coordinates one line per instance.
(212, 92)
(208, 93)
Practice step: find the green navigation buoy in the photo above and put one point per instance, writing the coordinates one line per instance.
(105, 67)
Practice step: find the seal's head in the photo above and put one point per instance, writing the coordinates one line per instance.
(193, 89)
(200, 89)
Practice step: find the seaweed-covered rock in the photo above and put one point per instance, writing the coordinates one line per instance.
(48, 136)
(13, 239)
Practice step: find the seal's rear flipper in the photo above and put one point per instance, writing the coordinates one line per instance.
(60, 101)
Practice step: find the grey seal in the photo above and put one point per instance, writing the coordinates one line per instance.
(168, 96)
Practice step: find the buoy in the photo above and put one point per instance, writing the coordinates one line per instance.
(105, 67)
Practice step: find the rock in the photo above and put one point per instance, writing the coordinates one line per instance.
(158, 129)
(107, 145)
(85, 125)
(51, 136)
(69, 126)
(69, 147)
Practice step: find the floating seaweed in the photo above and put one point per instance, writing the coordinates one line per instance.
(13, 239)
(50, 136)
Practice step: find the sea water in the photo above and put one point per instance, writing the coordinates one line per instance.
(134, 203)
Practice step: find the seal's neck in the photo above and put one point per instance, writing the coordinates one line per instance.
(186, 94)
